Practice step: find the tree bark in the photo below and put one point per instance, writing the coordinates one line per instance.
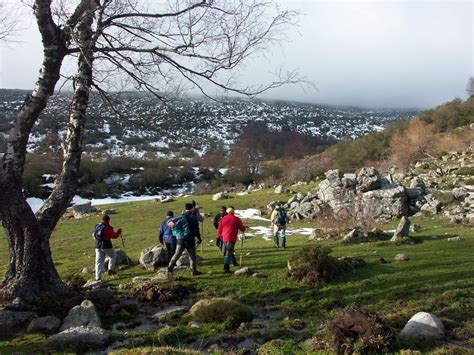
(31, 270)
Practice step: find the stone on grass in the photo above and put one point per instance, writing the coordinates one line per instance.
(245, 271)
(454, 239)
(151, 258)
(353, 235)
(423, 326)
(81, 337)
(259, 275)
(403, 230)
(184, 259)
(109, 211)
(220, 196)
(93, 284)
(12, 322)
(167, 312)
(402, 257)
(84, 314)
(220, 310)
(46, 325)
(280, 189)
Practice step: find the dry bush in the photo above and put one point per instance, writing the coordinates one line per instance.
(454, 141)
(413, 143)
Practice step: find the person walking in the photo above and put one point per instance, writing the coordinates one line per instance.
(186, 230)
(229, 227)
(103, 235)
(218, 217)
(166, 237)
(279, 220)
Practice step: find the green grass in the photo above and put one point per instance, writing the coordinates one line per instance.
(438, 278)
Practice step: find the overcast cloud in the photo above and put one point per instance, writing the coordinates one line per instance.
(362, 53)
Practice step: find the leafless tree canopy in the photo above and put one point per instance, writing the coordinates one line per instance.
(8, 23)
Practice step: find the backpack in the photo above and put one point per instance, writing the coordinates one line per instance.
(281, 218)
(180, 227)
(98, 231)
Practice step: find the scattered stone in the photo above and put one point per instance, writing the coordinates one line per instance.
(245, 271)
(194, 325)
(12, 322)
(86, 270)
(423, 326)
(459, 194)
(153, 257)
(46, 325)
(83, 208)
(164, 314)
(140, 279)
(403, 230)
(84, 314)
(458, 219)
(259, 275)
(109, 211)
(92, 284)
(415, 228)
(220, 196)
(184, 260)
(166, 199)
(80, 337)
(280, 189)
(353, 235)
(402, 257)
(454, 239)
(381, 261)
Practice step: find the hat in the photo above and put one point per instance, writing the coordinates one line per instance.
(230, 209)
(188, 206)
(170, 213)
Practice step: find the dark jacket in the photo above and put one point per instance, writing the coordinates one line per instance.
(164, 234)
(217, 218)
(194, 233)
(107, 236)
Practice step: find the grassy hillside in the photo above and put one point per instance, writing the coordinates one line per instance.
(438, 278)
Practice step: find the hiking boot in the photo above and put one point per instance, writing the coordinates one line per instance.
(111, 272)
(226, 271)
(235, 263)
(196, 273)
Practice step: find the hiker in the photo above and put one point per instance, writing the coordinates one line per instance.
(228, 229)
(218, 217)
(166, 237)
(279, 220)
(196, 213)
(103, 235)
(186, 230)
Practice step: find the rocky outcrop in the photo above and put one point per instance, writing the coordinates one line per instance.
(12, 322)
(402, 231)
(81, 337)
(46, 325)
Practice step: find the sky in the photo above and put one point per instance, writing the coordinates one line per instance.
(415, 54)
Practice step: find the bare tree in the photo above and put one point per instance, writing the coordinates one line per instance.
(154, 45)
(8, 22)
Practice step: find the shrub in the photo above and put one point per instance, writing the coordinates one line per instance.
(466, 170)
(314, 266)
(277, 346)
(221, 310)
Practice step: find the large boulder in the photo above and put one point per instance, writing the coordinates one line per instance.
(12, 322)
(418, 183)
(84, 314)
(46, 325)
(153, 257)
(432, 205)
(121, 259)
(184, 259)
(81, 338)
(423, 326)
(280, 189)
(383, 204)
(81, 210)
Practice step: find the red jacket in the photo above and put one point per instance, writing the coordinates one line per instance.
(109, 234)
(229, 227)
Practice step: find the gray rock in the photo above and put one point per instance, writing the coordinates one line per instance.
(259, 275)
(46, 325)
(334, 177)
(402, 257)
(80, 337)
(280, 189)
(185, 261)
(165, 313)
(352, 235)
(384, 204)
(153, 257)
(460, 194)
(109, 211)
(86, 270)
(414, 193)
(403, 229)
(415, 227)
(368, 179)
(423, 326)
(121, 259)
(12, 322)
(454, 239)
(83, 315)
(93, 284)
(82, 208)
(433, 206)
(245, 271)
(140, 279)
(220, 196)
(305, 209)
(418, 183)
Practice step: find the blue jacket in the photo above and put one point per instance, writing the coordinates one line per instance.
(165, 232)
